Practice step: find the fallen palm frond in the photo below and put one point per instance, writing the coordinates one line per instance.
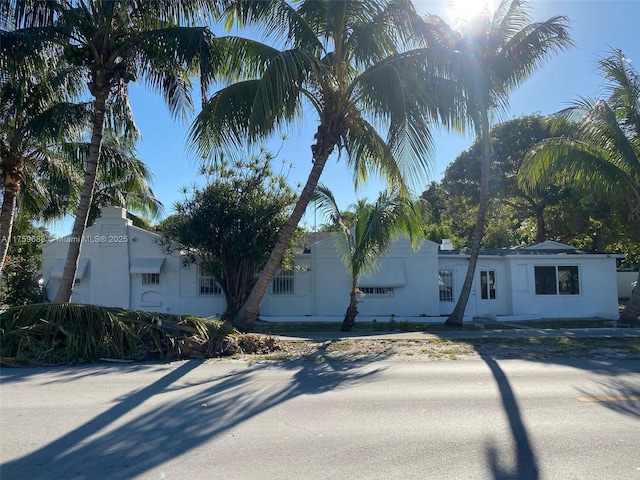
(50, 333)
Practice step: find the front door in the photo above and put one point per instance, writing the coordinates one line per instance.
(486, 291)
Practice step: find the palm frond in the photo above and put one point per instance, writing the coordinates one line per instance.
(222, 124)
(562, 161)
(623, 89)
(368, 153)
(530, 47)
(76, 333)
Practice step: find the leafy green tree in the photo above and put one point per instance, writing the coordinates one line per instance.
(230, 226)
(354, 64)
(117, 42)
(375, 227)
(601, 153)
(491, 55)
(510, 207)
(20, 285)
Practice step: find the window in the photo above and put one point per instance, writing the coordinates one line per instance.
(377, 291)
(150, 279)
(206, 282)
(487, 284)
(283, 283)
(557, 280)
(568, 283)
(445, 281)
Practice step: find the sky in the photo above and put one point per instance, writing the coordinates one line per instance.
(596, 27)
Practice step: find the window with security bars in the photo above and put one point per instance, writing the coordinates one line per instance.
(377, 291)
(206, 282)
(150, 279)
(283, 283)
(445, 281)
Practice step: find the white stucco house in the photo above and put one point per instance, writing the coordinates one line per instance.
(122, 265)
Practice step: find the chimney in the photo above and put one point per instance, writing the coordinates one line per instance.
(446, 244)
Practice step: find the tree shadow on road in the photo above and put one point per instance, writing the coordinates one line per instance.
(526, 464)
(71, 373)
(617, 395)
(130, 439)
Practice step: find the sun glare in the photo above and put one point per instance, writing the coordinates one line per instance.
(466, 9)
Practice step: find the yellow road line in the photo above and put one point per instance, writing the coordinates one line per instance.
(631, 398)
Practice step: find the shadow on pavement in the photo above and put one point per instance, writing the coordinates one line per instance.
(70, 373)
(122, 443)
(526, 465)
(617, 395)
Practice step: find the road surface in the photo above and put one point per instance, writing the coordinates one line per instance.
(478, 419)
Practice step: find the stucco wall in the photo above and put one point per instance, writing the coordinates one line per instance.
(321, 282)
(329, 285)
(598, 291)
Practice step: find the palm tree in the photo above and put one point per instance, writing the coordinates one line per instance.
(36, 117)
(491, 55)
(375, 227)
(354, 64)
(124, 180)
(600, 152)
(41, 164)
(116, 42)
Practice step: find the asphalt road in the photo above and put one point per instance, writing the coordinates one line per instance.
(479, 419)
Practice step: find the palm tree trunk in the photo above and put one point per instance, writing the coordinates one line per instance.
(352, 311)
(9, 200)
(541, 229)
(456, 317)
(82, 214)
(629, 316)
(326, 140)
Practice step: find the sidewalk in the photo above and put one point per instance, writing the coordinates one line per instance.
(465, 334)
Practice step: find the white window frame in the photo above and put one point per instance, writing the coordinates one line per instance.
(284, 283)
(445, 286)
(557, 283)
(488, 287)
(207, 285)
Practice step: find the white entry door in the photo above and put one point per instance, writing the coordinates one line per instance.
(487, 290)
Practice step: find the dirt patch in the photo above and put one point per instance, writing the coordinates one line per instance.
(446, 350)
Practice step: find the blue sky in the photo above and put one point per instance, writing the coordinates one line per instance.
(596, 27)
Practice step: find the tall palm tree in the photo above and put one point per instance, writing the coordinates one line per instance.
(117, 41)
(491, 55)
(600, 152)
(355, 66)
(36, 116)
(375, 227)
